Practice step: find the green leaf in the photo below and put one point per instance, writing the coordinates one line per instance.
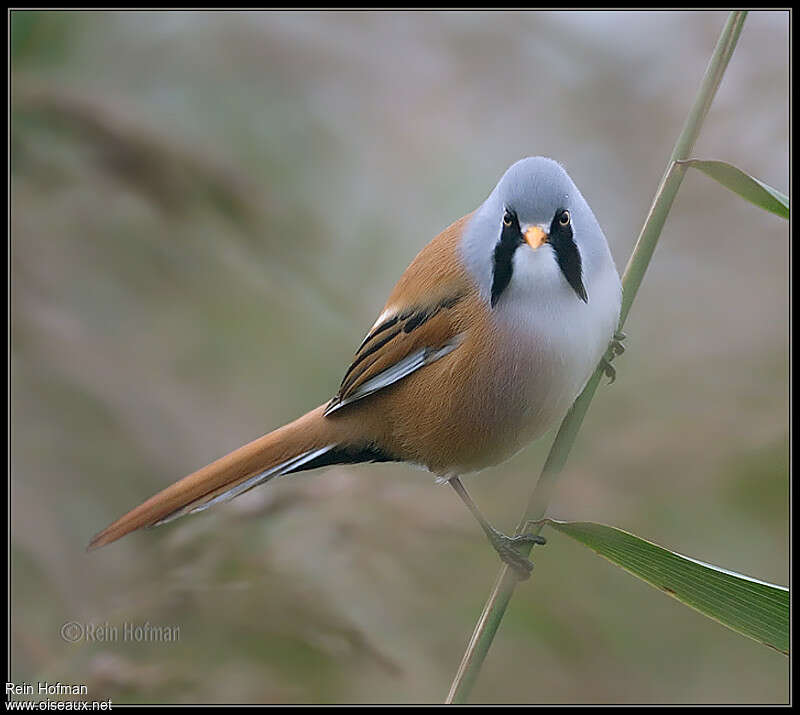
(753, 608)
(743, 184)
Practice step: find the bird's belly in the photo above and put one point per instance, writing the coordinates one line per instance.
(474, 412)
(491, 412)
(537, 390)
(528, 388)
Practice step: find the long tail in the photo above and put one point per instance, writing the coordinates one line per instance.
(308, 442)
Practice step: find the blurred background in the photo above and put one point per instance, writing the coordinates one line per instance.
(207, 213)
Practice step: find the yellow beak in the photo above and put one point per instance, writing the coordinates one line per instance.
(535, 237)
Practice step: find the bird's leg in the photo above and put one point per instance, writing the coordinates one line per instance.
(506, 546)
(615, 347)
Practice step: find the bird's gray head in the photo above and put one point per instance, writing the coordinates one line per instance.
(535, 230)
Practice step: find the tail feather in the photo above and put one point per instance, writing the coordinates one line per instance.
(305, 443)
(227, 492)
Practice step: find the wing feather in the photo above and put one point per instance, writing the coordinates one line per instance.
(415, 338)
(423, 321)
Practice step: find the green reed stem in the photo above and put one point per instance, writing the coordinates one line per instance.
(495, 607)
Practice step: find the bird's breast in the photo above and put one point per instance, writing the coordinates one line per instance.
(542, 358)
(515, 374)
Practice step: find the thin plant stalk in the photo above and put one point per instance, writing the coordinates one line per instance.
(501, 594)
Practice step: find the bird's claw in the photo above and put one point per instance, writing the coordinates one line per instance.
(617, 342)
(608, 369)
(615, 347)
(507, 549)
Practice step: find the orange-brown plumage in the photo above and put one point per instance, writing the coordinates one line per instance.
(383, 420)
(485, 340)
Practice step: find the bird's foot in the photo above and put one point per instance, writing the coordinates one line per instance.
(508, 549)
(615, 347)
(617, 343)
(608, 370)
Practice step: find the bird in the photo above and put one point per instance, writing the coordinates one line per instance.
(485, 341)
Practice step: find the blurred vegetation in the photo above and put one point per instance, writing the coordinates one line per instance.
(208, 210)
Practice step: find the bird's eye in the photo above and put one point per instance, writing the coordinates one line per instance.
(564, 218)
(508, 218)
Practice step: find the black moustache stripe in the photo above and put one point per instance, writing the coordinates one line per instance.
(560, 240)
(568, 257)
(503, 267)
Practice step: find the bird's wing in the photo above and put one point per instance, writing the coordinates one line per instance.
(402, 343)
(423, 321)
